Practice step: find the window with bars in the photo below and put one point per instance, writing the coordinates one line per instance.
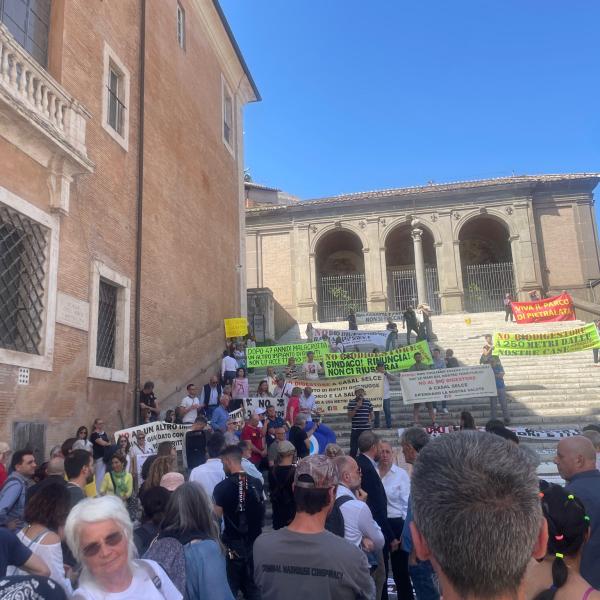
(116, 106)
(227, 116)
(180, 26)
(107, 325)
(29, 23)
(23, 249)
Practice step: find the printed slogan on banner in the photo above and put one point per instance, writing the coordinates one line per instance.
(557, 308)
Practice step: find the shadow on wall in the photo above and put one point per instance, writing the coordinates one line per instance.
(268, 319)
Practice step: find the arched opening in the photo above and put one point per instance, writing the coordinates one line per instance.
(487, 265)
(401, 274)
(340, 269)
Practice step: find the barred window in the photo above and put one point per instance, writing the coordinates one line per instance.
(116, 107)
(23, 250)
(107, 325)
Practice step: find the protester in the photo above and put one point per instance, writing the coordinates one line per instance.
(291, 371)
(281, 389)
(557, 576)
(333, 451)
(229, 367)
(246, 448)
(14, 491)
(486, 490)
(439, 362)
(211, 472)
(360, 413)
(391, 341)
(487, 350)
(576, 463)
(231, 433)
(508, 311)
(148, 401)
(594, 437)
(160, 467)
(101, 446)
(13, 553)
(272, 422)
(124, 448)
(139, 446)
(82, 442)
(118, 482)
(412, 441)
(273, 450)
(55, 472)
(189, 520)
(300, 438)
(421, 366)
(310, 332)
(281, 490)
(308, 404)
(396, 483)
(256, 436)
(240, 385)
(189, 405)
(311, 369)
(466, 420)
(100, 535)
(352, 326)
(271, 380)
(194, 443)
(154, 504)
(45, 514)
(164, 449)
(409, 318)
(303, 560)
(387, 402)
(240, 356)
(262, 391)
(171, 416)
(451, 360)
(496, 365)
(238, 500)
(293, 406)
(368, 444)
(211, 393)
(79, 469)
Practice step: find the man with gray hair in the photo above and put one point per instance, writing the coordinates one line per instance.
(477, 515)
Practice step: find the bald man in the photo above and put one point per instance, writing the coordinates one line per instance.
(576, 462)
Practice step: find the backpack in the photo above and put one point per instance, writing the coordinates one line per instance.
(169, 554)
(335, 519)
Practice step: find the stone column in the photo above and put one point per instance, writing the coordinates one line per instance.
(524, 249)
(416, 235)
(449, 265)
(305, 276)
(374, 269)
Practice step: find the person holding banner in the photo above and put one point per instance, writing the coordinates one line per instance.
(421, 366)
(387, 410)
(311, 369)
(508, 312)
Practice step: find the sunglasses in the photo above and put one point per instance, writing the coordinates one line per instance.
(113, 539)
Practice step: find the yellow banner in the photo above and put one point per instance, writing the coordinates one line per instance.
(356, 363)
(237, 327)
(539, 344)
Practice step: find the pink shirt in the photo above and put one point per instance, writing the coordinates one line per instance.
(239, 388)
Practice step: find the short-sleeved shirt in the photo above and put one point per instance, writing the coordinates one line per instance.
(297, 437)
(149, 400)
(361, 419)
(253, 434)
(12, 551)
(310, 565)
(226, 495)
(311, 369)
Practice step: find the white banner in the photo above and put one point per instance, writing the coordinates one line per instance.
(522, 432)
(362, 318)
(250, 404)
(351, 338)
(156, 433)
(447, 384)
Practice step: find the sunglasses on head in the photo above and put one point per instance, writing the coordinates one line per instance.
(112, 539)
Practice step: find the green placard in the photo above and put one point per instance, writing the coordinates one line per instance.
(274, 356)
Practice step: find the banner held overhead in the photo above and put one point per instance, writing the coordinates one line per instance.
(273, 356)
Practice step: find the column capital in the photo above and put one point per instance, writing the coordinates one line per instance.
(416, 234)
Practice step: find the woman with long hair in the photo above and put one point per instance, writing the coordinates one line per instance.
(161, 466)
(118, 482)
(263, 390)
(239, 388)
(190, 520)
(557, 576)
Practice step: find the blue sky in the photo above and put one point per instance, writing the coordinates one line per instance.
(372, 94)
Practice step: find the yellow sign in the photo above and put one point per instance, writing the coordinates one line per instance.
(236, 327)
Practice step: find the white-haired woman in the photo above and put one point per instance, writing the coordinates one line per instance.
(100, 535)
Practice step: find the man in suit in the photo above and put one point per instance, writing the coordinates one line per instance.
(210, 396)
(368, 445)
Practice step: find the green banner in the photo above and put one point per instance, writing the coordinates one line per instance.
(554, 342)
(357, 363)
(274, 356)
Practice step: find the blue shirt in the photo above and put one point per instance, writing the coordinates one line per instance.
(407, 544)
(220, 418)
(205, 574)
(586, 487)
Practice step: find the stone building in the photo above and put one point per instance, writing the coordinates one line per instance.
(458, 246)
(121, 205)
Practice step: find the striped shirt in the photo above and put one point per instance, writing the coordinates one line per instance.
(361, 420)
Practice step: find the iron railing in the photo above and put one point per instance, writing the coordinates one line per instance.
(23, 246)
(107, 325)
(402, 288)
(338, 294)
(486, 285)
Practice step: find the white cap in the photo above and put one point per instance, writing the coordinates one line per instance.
(259, 411)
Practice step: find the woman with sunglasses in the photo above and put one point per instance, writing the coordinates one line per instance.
(82, 442)
(100, 535)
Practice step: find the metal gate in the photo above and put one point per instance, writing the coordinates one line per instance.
(338, 294)
(402, 288)
(486, 285)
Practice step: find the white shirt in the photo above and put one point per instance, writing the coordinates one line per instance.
(397, 489)
(141, 586)
(186, 403)
(208, 475)
(285, 392)
(228, 364)
(307, 405)
(311, 370)
(358, 520)
(213, 396)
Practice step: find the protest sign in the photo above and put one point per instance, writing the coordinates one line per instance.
(251, 404)
(356, 363)
(448, 384)
(521, 432)
(272, 356)
(540, 344)
(156, 433)
(237, 416)
(557, 308)
(354, 338)
(333, 395)
(237, 327)
(362, 318)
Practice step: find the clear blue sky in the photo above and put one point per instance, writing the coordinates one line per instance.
(372, 94)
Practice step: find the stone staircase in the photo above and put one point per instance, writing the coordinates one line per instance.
(546, 392)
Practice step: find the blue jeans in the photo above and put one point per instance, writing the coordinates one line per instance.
(422, 577)
(387, 411)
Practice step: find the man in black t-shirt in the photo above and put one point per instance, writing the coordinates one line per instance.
(239, 500)
(360, 413)
(299, 437)
(195, 443)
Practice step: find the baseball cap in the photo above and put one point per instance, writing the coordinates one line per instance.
(322, 471)
(285, 447)
(171, 481)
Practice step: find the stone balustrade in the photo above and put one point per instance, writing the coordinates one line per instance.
(39, 97)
